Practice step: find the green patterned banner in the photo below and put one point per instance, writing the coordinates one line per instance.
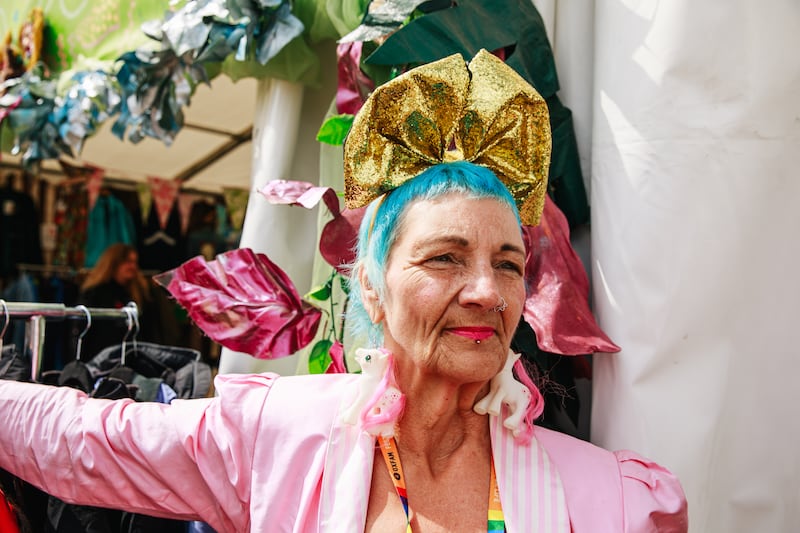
(96, 29)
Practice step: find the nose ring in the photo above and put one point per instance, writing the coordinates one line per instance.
(501, 307)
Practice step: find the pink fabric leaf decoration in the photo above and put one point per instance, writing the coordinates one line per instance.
(339, 235)
(558, 306)
(300, 193)
(337, 359)
(245, 302)
(354, 86)
(338, 239)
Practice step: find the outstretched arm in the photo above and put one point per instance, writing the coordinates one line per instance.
(188, 460)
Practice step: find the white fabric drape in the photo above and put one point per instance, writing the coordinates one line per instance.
(695, 151)
(688, 123)
(281, 233)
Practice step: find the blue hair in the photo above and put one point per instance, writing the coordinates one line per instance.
(383, 222)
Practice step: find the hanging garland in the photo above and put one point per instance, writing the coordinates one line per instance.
(147, 88)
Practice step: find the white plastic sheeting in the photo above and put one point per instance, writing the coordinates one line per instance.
(275, 230)
(687, 116)
(695, 190)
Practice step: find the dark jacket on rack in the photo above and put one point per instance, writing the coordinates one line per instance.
(19, 231)
(109, 295)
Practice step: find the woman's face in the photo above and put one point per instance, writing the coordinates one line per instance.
(454, 261)
(127, 270)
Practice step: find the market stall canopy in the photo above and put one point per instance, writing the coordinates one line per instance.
(160, 56)
(212, 151)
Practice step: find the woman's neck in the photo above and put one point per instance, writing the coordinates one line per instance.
(438, 420)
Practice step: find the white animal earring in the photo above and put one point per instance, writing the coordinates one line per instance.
(505, 389)
(373, 366)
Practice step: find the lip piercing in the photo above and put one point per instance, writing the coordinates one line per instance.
(502, 307)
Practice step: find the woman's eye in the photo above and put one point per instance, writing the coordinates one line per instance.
(443, 258)
(510, 265)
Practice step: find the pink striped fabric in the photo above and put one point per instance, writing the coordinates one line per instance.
(347, 477)
(530, 487)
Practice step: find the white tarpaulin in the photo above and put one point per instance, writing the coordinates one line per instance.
(688, 122)
(695, 156)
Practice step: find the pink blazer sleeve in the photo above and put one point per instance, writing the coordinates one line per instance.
(191, 459)
(653, 499)
(619, 492)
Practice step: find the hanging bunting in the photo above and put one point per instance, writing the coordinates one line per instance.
(145, 199)
(91, 174)
(185, 202)
(236, 201)
(164, 194)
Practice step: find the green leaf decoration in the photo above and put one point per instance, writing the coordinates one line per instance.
(334, 129)
(518, 28)
(464, 28)
(379, 74)
(532, 57)
(344, 284)
(320, 359)
(321, 292)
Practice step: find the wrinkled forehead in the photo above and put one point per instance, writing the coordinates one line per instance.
(458, 215)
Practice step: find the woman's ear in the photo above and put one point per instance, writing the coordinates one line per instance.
(369, 297)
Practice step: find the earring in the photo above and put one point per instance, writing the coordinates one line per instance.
(501, 307)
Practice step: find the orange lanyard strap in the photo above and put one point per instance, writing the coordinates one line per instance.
(495, 522)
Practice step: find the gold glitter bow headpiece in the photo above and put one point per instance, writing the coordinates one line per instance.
(486, 111)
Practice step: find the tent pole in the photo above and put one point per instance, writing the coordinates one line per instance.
(285, 235)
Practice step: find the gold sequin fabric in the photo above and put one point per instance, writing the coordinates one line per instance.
(448, 110)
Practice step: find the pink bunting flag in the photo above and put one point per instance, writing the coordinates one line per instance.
(164, 194)
(185, 202)
(245, 302)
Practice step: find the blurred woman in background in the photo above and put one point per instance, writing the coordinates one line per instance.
(114, 281)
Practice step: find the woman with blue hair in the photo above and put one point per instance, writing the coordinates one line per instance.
(436, 433)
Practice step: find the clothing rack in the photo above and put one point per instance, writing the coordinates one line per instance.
(38, 313)
(68, 271)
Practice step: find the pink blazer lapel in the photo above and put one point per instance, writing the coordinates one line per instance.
(347, 477)
(530, 487)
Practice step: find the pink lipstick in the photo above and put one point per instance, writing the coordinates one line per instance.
(475, 333)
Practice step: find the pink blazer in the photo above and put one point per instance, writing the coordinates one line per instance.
(271, 454)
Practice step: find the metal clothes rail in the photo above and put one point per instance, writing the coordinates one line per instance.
(38, 313)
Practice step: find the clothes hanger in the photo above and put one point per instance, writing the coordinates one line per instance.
(159, 235)
(76, 374)
(132, 321)
(85, 330)
(6, 320)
